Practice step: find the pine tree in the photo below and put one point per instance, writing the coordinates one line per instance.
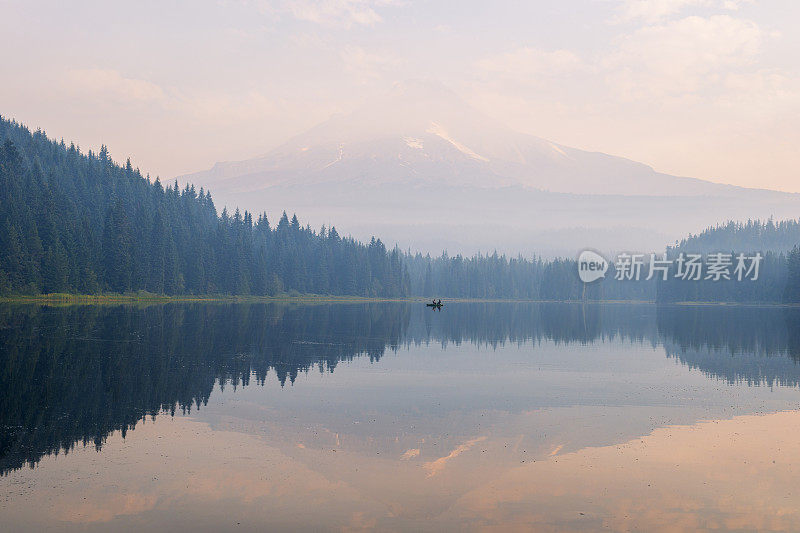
(117, 260)
(792, 290)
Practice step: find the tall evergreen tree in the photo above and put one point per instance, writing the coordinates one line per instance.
(117, 249)
(792, 291)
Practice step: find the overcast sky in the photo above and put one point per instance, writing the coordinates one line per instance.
(702, 88)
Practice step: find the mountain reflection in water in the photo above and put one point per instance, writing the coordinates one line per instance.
(514, 387)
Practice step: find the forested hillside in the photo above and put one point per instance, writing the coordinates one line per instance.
(750, 236)
(498, 276)
(79, 222)
(777, 282)
(792, 292)
(75, 222)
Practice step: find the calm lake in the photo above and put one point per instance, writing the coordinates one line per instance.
(398, 417)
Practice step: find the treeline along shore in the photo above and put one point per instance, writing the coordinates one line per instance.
(75, 223)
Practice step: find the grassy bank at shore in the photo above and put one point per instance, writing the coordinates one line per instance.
(151, 298)
(145, 297)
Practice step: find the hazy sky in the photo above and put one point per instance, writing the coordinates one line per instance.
(703, 88)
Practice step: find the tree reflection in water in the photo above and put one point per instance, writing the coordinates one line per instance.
(73, 375)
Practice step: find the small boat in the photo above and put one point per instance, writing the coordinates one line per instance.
(436, 304)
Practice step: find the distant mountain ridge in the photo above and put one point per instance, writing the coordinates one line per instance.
(422, 132)
(422, 168)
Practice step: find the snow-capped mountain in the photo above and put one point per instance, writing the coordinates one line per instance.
(422, 168)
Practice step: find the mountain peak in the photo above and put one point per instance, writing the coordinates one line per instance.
(407, 162)
(422, 132)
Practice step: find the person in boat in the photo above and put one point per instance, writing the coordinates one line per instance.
(433, 302)
(439, 302)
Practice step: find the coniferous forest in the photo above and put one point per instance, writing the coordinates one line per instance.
(792, 291)
(80, 223)
(778, 281)
(75, 222)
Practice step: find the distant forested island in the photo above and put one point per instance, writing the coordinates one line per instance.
(74, 222)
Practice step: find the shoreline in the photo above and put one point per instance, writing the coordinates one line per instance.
(121, 299)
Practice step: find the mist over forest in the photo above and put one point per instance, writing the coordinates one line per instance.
(75, 222)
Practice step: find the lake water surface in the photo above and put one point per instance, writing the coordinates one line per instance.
(393, 416)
